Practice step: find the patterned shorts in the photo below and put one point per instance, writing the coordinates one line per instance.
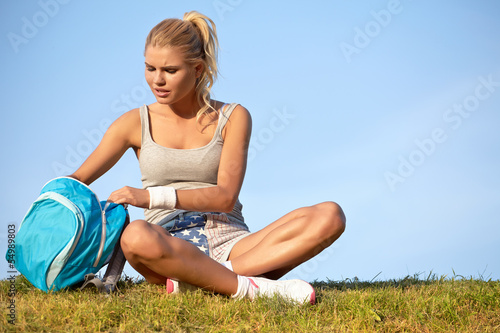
(212, 233)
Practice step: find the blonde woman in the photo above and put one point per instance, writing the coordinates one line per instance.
(192, 153)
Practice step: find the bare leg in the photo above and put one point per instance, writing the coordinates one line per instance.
(156, 255)
(291, 240)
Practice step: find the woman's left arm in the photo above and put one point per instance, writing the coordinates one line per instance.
(232, 167)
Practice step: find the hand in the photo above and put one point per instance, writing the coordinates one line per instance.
(129, 195)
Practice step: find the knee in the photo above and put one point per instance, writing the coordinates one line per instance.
(132, 237)
(137, 240)
(330, 219)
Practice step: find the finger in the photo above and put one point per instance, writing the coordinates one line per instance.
(115, 198)
(122, 200)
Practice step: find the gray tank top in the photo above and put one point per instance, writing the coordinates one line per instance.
(181, 168)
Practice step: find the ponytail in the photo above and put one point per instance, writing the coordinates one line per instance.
(196, 36)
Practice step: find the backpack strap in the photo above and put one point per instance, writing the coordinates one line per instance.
(113, 271)
(92, 279)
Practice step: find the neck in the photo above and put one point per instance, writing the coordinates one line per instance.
(186, 108)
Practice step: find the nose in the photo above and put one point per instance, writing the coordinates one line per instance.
(158, 78)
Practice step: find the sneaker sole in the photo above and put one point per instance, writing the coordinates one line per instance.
(172, 287)
(177, 287)
(312, 299)
(312, 295)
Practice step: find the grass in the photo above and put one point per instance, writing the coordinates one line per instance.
(411, 304)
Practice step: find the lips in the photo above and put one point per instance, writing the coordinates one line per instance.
(162, 92)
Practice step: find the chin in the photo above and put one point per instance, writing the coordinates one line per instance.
(164, 100)
(161, 101)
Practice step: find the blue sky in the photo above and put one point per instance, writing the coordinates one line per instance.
(390, 108)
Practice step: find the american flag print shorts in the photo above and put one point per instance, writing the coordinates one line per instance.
(212, 233)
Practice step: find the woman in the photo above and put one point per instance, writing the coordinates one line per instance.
(192, 152)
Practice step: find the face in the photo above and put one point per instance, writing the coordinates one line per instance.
(171, 79)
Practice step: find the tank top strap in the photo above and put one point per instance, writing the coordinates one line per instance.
(225, 113)
(143, 111)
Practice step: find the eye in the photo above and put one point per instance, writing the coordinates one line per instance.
(171, 71)
(150, 69)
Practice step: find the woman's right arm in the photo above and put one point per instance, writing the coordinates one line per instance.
(124, 133)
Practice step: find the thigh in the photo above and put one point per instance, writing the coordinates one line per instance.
(140, 234)
(255, 238)
(138, 227)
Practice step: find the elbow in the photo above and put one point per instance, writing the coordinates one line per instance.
(228, 203)
(214, 199)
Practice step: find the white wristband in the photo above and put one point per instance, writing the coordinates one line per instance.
(162, 197)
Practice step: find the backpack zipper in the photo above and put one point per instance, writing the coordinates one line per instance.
(103, 235)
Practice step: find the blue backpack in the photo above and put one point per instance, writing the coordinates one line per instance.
(67, 236)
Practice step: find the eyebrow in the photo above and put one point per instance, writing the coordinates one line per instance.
(164, 68)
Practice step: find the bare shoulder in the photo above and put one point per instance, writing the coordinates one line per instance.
(131, 117)
(240, 121)
(221, 106)
(128, 126)
(240, 113)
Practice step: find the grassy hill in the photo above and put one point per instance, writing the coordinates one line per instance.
(410, 304)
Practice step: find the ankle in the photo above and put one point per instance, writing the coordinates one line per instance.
(245, 288)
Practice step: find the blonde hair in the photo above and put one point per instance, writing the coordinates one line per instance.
(196, 37)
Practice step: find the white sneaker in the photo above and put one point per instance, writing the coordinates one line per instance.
(297, 291)
(177, 287)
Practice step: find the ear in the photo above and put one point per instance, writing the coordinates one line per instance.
(198, 69)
